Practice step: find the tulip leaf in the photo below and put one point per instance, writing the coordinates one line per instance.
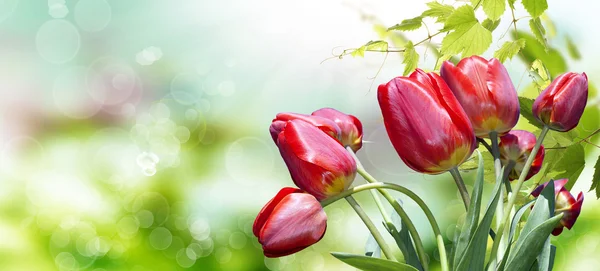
(403, 240)
(468, 36)
(572, 49)
(596, 178)
(371, 264)
(545, 260)
(490, 25)
(408, 24)
(526, 106)
(439, 11)
(472, 218)
(535, 7)
(372, 249)
(509, 49)
(494, 8)
(474, 256)
(513, 229)
(411, 58)
(539, 225)
(538, 31)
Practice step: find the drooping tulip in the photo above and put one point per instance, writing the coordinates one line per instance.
(425, 123)
(292, 221)
(486, 93)
(565, 203)
(326, 125)
(561, 104)
(350, 127)
(516, 146)
(318, 163)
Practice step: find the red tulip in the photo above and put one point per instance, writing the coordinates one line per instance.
(516, 146)
(326, 125)
(486, 93)
(290, 222)
(350, 127)
(317, 163)
(425, 123)
(565, 203)
(561, 104)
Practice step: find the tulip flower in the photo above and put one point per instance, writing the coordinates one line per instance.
(326, 125)
(565, 203)
(561, 104)
(350, 127)
(425, 123)
(318, 164)
(290, 222)
(485, 92)
(516, 146)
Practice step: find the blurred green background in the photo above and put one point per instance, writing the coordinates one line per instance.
(133, 133)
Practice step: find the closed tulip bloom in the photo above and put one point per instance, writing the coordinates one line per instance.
(326, 125)
(561, 104)
(318, 163)
(516, 146)
(290, 222)
(486, 93)
(425, 123)
(350, 127)
(566, 204)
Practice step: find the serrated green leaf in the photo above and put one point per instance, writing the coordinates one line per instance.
(490, 25)
(471, 40)
(411, 58)
(408, 24)
(463, 16)
(494, 8)
(371, 264)
(535, 7)
(596, 178)
(538, 31)
(358, 52)
(540, 69)
(526, 106)
(570, 165)
(532, 245)
(509, 49)
(572, 48)
(439, 11)
(380, 45)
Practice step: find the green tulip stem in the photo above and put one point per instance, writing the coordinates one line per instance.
(464, 194)
(365, 218)
(513, 196)
(498, 171)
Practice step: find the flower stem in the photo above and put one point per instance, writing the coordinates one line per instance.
(513, 196)
(461, 187)
(365, 218)
(500, 205)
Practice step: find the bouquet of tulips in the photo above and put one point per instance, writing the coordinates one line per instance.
(435, 123)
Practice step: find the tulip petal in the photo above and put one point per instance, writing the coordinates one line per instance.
(266, 211)
(562, 103)
(350, 127)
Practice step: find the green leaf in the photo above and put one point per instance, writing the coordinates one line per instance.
(408, 24)
(511, 3)
(573, 51)
(552, 58)
(533, 243)
(472, 40)
(509, 49)
(513, 229)
(570, 165)
(535, 7)
(540, 69)
(596, 178)
(472, 218)
(403, 240)
(545, 260)
(474, 256)
(526, 106)
(371, 264)
(494, 8)
(490, 25)
(538, 31)
(439, 11)
(411, 58)
(464, 16)
(377, 45)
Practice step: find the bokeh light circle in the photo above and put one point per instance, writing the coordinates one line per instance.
(186, 88)
(111, 81)
(184, 260)
(70, 96)
(223, 255)
(92, 15)
(58, 41)
(160, 238)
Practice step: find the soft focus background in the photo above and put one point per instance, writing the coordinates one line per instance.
(133, 134)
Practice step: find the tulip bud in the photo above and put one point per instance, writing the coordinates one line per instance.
(326, 125)
(318, 164)
(350, 127)
(290, 222)
(425, 123)
(485, 92)
(561, 104)
(565, 203)
(516, 146)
